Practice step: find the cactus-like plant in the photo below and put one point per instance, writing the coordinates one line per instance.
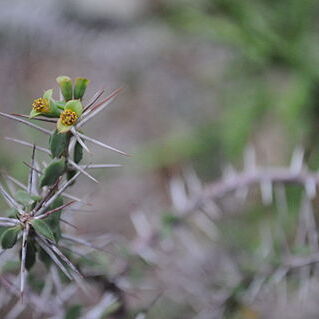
(35, 210)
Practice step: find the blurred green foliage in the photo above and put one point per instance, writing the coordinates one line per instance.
(272, 78)
(273, 71)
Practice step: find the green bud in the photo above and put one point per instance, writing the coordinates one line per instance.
(65, 84)
(80, 87)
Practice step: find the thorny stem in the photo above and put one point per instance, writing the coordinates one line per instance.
(34, 209)
(31, 171)
(223, 187)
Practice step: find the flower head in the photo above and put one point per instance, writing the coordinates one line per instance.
(41, 105)
(68, 117)
(72, 111)
(45, 106)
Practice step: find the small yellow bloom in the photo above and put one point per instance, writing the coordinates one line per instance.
(41, 105)
(68, 117)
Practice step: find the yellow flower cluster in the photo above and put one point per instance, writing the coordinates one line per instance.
(68, 117)
(41, 105)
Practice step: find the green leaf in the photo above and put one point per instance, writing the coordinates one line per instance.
(2, 230)
(54, 170)
(57, 203)
(36, 197)
(9, 237)
(25, 198)
(30, 255)
(75, 106)
(41, 227)
(34, 113)
(53, 220)
(80, 87)
(78, 152)
(73, 312)
(48, 94)
(54, 110)
(63, 128)
(11, 213)
(58, 144)
(65, 84)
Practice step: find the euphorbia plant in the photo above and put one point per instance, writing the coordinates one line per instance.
(34, 219)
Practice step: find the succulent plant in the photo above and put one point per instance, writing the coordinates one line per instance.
(34, 219)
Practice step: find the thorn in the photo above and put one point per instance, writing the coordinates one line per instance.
(31, 171)
(34, 118)
(32, 167)
(77, 137)
(297, 160)
(83, 171)
(110, 97)
(15, 181)
(39, 128)
(310, 187)
(93, 100)
(250, 159)
(98, 108)
(42, 149)
(58, 193)
(102, 165)
(46, 214)
(10, 200)
(23, 259)
(266, 191)
(94, 141)
(52, 255)
(68, 223)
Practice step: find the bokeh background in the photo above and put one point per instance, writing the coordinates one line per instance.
(203, 80)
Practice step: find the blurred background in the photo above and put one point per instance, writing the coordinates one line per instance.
(203, 81)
